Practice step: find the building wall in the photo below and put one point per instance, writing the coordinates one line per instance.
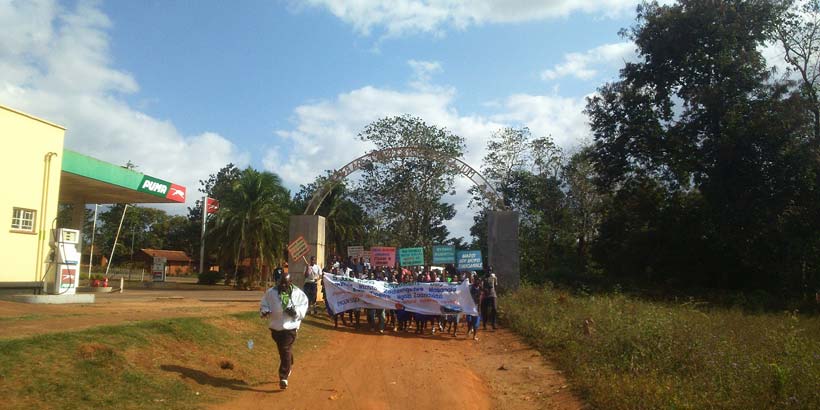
(31, 180)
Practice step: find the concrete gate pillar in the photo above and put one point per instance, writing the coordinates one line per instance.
(502, 241)
(312, 228)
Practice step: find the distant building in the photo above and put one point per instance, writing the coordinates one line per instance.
(176, 262)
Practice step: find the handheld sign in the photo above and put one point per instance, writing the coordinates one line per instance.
(298, 248)
(444, 254)
(383, 256)
(355, 251)
(469, 260)
(411, 256)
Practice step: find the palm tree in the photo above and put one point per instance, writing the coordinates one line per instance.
(253, 221)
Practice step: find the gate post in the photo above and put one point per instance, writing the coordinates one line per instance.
(312, 228)
(502, 244)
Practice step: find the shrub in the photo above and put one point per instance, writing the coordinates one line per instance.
(210, 278)
(624, 353)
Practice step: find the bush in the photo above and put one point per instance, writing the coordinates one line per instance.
(210, 278)
(623, 353)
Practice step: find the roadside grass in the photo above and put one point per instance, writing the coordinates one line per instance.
(181, 363)
(624, 353)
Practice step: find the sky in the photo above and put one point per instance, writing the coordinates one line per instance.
(181, 88)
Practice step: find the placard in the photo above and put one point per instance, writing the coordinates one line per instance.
(383, 256)
(444, 254)
(355, 251)
(298, 248)
(469, 260)
(411, 256)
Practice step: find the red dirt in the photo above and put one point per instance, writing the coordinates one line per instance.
(363, 370)
(354, 370)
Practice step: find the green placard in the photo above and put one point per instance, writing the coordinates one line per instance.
(411, 256)
(444, 254)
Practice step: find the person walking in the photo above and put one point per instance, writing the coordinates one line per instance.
(473, 320)
(313, 273)
(489, 308)
(286, 305)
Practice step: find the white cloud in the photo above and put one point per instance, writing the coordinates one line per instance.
(423, 74)
(586, 65)
(55, 63)
(433, 16)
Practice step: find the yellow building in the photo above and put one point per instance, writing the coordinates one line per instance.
(38, 175)
(30, 163)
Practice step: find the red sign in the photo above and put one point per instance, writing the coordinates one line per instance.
(67, 277)
(176, 193)
(213, 205)
(298, 248)
(383, 256)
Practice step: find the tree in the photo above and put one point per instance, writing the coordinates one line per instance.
(704, 149)
(252, 221)
(798, 31)
(584, 203)
(404, 197)
(526, 171)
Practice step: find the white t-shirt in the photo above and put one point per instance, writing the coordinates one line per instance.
(314, 272)
(279, 320)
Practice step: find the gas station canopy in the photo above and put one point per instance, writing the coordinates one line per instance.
(91, 181)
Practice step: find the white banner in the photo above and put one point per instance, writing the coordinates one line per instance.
(436, 298)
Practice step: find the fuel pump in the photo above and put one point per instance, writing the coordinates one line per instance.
(67, 261)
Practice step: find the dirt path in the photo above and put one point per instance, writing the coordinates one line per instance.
(363, 370)
(354, 370)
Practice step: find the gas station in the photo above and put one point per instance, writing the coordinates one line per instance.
(43, 259)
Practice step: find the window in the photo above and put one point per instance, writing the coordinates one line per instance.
(23, 219)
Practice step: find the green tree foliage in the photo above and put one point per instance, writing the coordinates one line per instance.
(403, 198)
(705, 159)
(531, 174)
(252, 222)
(142, 227)
(798, 31)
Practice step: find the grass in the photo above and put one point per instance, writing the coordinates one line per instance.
(624, 353)
(169, 364)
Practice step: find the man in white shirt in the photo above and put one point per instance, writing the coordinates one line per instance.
(313, 273)
(286, 305)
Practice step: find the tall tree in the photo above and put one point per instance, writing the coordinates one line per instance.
(699, 141)
(798, 32)
(406, 196)
(252, 221)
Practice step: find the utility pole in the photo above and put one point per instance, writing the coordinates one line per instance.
(202, 235)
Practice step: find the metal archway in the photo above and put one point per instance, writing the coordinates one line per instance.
(389, 154)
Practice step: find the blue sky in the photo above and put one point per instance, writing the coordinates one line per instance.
(181, 88)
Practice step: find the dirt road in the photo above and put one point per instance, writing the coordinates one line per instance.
(364, 370)
(353, 370)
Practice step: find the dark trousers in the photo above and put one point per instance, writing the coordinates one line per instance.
(488, 311)
(284, 342)
(310, 292)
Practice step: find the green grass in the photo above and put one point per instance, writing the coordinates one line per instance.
(642, 355)
(169, 364)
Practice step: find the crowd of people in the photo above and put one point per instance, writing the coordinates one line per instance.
(482, 291)
(285, 305)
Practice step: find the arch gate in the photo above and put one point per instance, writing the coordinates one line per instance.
(502, 224)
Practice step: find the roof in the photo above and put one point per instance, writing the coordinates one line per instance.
(88, 180)
(177, 256)
(32, 117)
